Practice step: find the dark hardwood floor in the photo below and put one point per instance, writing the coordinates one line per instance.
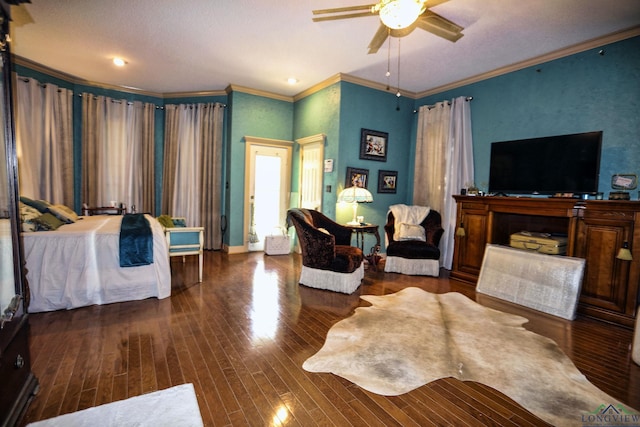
(242, 335)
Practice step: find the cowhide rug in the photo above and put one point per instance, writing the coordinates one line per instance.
(413, 337)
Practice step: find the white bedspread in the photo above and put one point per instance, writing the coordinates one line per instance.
(78, 265)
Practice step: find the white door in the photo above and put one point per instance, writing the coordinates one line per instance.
(311, 171)
(268, 192)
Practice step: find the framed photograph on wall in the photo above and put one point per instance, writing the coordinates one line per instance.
(374, 145)
(387, 181)
(357, 177)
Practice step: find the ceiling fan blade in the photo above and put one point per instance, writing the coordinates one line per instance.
(343, 9)
(378, 38)
(440, 26)
(434, 3)
(343, 16)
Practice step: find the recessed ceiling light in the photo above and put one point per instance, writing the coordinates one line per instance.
(119, 62)
(292, 80)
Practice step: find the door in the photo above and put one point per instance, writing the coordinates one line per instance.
(267, 195)
(311, 171)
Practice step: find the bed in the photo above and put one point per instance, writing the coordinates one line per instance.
(78, 265)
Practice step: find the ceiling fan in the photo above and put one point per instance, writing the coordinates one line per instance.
(398, 18)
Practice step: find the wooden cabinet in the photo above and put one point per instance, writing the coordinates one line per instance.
(469, 250)
(610, 285)
(596, 230)
(17, 383)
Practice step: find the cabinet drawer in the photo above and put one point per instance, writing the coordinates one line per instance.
(14, 371)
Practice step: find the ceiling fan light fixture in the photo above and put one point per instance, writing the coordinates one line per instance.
(398, 14)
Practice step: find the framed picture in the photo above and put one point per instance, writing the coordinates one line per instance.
(374, 145)
(357, 177)
(387, 181)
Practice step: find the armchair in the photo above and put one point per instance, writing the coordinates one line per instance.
(328, 259)
(416, 254)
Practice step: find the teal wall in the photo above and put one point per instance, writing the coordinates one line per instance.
(579, 93)
(377, 110)
(319, 113)
(340, 112)
(249, 115)
(584, 92)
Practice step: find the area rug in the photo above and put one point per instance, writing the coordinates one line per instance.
(175, 406)
(410, 338)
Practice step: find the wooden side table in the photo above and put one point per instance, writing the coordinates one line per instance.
(360, 231)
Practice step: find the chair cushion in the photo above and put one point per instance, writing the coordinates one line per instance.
(347, 260)
(413, 249)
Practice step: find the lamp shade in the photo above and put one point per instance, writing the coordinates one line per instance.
(355, 194)
(398, 14)
(624, 253)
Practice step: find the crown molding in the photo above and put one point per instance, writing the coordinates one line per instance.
(342, 77)
(170, 95)
(257, 92)
(78, 81)
(557, 54)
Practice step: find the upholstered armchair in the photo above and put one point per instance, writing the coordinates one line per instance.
(328, 259)
(413, 248)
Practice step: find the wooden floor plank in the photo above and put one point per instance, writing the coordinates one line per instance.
(242, 335)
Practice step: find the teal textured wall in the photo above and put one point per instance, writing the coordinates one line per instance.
(598, 89)
(377, 110)
(250, 115)
(579, 93)
(315, 114)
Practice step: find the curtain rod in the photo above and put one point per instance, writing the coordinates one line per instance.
(157, 107)
(468, 99)
(42, 85)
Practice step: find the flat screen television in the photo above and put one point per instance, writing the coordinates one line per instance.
(547, 165)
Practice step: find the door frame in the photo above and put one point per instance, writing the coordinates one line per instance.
(250, 142)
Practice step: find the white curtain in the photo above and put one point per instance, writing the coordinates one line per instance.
(44, 136)
(192, 170)
(117, 153)
(444, 163)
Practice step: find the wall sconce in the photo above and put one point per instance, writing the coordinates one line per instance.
(460, 231)
(624, 253)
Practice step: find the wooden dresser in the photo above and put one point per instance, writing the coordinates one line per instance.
(596, 230)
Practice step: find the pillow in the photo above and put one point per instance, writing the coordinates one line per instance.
(64, 213)
(411, 232)
(165, 221)
(47, 222)
(27, 215)
(41, 205)
(179, 222)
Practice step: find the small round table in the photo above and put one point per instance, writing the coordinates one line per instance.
(360, 230)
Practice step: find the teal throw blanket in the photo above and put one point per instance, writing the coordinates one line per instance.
(136, 241)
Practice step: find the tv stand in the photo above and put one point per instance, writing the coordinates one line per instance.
(595, 230)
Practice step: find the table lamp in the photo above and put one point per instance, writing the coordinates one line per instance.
(355, 195)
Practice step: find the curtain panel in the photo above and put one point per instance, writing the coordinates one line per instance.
(444, 163)
(118, 153)
(44, 141)
(192, 169)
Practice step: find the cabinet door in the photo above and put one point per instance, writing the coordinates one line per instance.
(469, 249)
(606, 285)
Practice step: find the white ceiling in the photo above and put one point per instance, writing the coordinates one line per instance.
(207, 45)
